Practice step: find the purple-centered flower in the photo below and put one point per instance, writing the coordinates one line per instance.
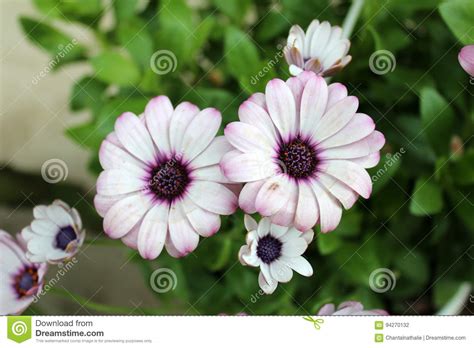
(162, 184)
(301, 148)
(322, 49)
(20, 279)
(276, 250)
(55, 234)
(466, 59)
(349, 308)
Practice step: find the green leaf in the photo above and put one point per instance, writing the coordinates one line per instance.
(63, 48)
(459, 16)
(426, 198)
(87, 93)
(462, 169)
(328, 242)
(114, 68)
(234, 9)
(135, 38)
(437, 120)
(86, 11)
(124, 9)
(386, 169)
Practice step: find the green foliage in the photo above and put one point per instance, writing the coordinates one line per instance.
(419, 220)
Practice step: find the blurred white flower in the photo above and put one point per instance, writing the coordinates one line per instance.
(276, 250)
(55, 234)
(349, 308)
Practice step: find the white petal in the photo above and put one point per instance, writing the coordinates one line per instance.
(350, 174)
(117, 181)
(307, 211)
(248, 138)
(280, 271)
(299, 265)
(184, 237)
(180, 120)
(256, 115)
(330, 211)
(313, 104)
(268, 286)
(250, 223)
(358, 128)
(281, 107)
(204, 222)
(157, 116)
(245, 167)
(273, 195)
(59, 216)
(213, 153)
(210, 173)
(213, 197)
(248, 196)
(341, 191)
(336, 92)
(294, 247)
(153, 230)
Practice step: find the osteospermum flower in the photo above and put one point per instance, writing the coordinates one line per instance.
(20, 279)
(349, 308)
(276, 250)
(161, 184)
(55, 234)
(321, 50)
(301, 149)
(466, 59)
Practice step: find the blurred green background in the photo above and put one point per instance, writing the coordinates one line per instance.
(419, 222)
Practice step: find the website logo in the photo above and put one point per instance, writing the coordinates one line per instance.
(19, 328)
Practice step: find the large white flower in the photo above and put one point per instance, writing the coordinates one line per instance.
(162, 184)
(20, 279)
(321, 50)
(301, 148)
(349, 308)
(55, 234)
(276, 250)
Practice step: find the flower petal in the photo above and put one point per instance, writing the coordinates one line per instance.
(363, 147)
(184, 237)
(336, 92)
(117, 181)
(248, 196)
(157, 116)
(203, 222)
(280, 271)
(213, 153)
(358, 128)
(294, 247)
(341, 191)
(213, 197)
(180, 120)
(313, 104)
(299, 265)
(255, 115)
(153, 230)
(330, 211)
(350, 174)
(250, 223)
(273, 195)
(247, 138)
(285, 216)
(281, 107)
(307, 210)
(245, 167)
(368, 161)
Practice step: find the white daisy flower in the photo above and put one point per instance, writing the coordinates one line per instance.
(20, 279)
(276, 250)
(162, 185)
(321, 50)
(349, 308)
(55, 235)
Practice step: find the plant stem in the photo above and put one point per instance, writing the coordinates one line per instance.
(351, 17)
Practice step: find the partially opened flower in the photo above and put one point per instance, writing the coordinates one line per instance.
(349, 308)
(162, 184)
(466, 59)
(301, 148)
(55, 235)
(20, 279)
(276, 250)
(322, 49)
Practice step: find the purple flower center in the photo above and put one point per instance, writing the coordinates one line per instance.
(298, 158)
(169, 180)
(65, 236)
(26, 280)
(269, 249)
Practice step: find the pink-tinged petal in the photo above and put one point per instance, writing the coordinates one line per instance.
(248, 196)
(255, 115)
(307, 210)
(184, 237)
(245, 167)
(327, 309)
(466, 59)
(116, 181)
(336, 118)
(341, 191)
(180, 120)
(203, 222)
(131, 238)
(358, 128)
(103, 203)
(171, 249)
(134, 136)
(12, 255)
(305, 76)
(247, 138)
(308, 236)
(350, 174)
(273, 195)
(281, 107)
(210, 173)
(200, 132)
(313, 104)
(296, 37)
(296, 87)
(285, 216)
(250, 223)
(336, 92)
(152, 234)
(299, 264)
(113, 157)
(330, 211)
(280, 271)
(124, 214)
(213, 197)
(157, 116)
(213, 153)
(259, 99)
(368, 161)
(370, 144)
